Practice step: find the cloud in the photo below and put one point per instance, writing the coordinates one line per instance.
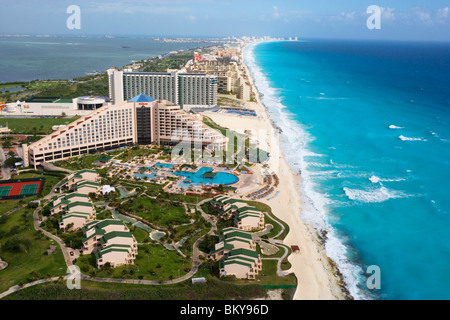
(275, 12)
(344, 16)
(423, 15)
(191, 18)
(387, 13)
(149, 7)
(442, 14)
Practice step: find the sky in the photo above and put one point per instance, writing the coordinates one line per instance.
(342, 19)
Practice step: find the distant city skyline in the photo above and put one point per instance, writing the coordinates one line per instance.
(400, 20)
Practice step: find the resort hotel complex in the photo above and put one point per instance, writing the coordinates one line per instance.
(142, 120)
(183, 89)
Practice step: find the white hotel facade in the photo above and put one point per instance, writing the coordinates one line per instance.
(141, 120)
(187, 90)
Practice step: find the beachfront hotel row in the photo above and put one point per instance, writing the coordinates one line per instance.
(142, 120)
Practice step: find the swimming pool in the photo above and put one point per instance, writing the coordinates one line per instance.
(142, 175)
(196, 178)
(163, 165)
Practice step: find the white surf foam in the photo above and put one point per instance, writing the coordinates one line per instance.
(294, 141)
(376, 179)
(403, 138)
(374, 195)
(394, 127)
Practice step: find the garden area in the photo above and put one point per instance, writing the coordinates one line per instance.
(153, 262)
(25, 250)
(35, 126)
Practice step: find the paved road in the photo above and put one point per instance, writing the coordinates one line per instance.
(30, 284)
(65, 250)
(61, 243)
(49, 166)
(5, 170)
(195, 258)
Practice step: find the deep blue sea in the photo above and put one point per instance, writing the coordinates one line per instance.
(368, 125)
(30, 58)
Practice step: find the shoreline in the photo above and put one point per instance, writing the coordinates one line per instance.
(317, 275)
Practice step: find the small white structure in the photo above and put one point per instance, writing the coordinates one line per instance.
(198, 280)
(107, 189)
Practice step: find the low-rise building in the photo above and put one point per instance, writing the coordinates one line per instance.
(86, 187)
(82, 175)
(241, 263)
(230, 239)
(60, 203)
(246, 217)
(75, 220)
(55, 106)
(227, 204)
(111, 241)
(95, 230)
(249, 218)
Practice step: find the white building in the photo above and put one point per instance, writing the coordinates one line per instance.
(54, 106)
(141, 120)
(184, 89)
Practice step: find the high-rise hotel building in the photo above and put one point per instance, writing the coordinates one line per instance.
(142, 120)
(183, 89)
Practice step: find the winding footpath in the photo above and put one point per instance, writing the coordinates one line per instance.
(69, 262)
(195, 256)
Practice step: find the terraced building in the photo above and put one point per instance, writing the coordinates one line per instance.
(142, 120)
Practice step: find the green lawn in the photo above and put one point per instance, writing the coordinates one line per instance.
(6, 85)
(79, 163)
(153, 262)
(212, 290)
(277, 228)
(157, 212)
(34, 125)
(268, 276)
(129, 154)
(28, 260)
(139, 234)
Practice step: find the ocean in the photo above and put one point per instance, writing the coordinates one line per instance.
(30, 58)
(367, 125)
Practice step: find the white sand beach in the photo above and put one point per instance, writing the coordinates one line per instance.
(316, 279)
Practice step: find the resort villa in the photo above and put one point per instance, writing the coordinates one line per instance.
(232, 238)
(242, 263)
(65, 199)
(246, 217)
(71, 181)
(76, 207)
(236, 253)
(111, 241)
(249, 218)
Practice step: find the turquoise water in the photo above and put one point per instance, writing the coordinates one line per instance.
(367, 124)
(25, 59)
(164, 165)
(196, 178)
(142, 175)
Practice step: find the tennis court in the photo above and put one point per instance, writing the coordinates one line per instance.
(20, 188)
(4, 191)
(29, 189)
